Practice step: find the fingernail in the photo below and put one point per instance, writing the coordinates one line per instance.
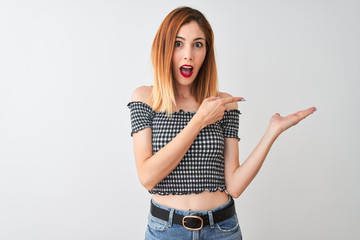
(243, 100)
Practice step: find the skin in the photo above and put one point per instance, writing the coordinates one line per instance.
(152, 168)
(190, 49)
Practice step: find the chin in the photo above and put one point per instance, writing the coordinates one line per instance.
(185, 81)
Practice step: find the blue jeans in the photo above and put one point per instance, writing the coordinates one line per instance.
(158, 229)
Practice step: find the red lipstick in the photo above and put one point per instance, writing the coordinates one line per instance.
(186, 70)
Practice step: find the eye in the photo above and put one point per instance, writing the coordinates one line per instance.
(198, 45)
(178, 44)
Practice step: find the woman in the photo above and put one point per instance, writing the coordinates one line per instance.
(185, 136)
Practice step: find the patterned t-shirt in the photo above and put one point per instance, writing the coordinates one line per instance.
(202, 167)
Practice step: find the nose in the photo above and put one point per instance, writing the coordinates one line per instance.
(188, 54)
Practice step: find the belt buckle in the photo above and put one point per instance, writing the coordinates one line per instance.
(194, 217)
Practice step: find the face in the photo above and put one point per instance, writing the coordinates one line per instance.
(189, 53)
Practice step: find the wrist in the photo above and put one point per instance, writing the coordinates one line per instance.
(198, 121)
(273, 131)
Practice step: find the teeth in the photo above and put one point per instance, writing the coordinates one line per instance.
(187, 67)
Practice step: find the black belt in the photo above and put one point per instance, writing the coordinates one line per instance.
(194, 222)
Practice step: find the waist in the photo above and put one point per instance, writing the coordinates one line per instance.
(194, 220)
(194, 202)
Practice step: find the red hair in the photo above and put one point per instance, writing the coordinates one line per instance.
(205, 84)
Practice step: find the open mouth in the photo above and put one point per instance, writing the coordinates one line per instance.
(186, 70)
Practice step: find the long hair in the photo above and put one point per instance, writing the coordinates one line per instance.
(205, 84)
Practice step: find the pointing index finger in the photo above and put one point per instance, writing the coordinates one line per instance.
(232, 99)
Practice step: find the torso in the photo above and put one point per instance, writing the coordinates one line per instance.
(195, 202)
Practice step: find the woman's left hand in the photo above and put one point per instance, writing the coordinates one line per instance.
(280, 124)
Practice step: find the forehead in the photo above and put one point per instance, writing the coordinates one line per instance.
(191, 31)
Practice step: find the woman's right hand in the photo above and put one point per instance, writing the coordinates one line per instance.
(212, 109)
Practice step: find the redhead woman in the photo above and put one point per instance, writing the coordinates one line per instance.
(185, 136)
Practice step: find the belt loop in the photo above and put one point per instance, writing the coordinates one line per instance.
(211, 219)
(171, 215)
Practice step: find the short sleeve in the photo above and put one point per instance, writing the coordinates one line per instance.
(141, 116)
(230, 124)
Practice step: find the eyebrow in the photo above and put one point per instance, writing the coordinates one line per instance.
(195, 39)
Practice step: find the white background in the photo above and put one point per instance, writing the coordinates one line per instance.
(67, 71)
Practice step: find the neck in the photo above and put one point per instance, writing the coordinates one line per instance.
(183, 92)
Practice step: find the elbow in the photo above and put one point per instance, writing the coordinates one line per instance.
(234, 193)
(146, 183)
(148, 187)
(235, 196)
(146, 178)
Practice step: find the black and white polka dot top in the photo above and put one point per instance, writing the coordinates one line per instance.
(202, 167)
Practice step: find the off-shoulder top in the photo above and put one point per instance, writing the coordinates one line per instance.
(202, 167)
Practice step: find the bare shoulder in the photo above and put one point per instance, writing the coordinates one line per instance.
(141, 94)
(229, 106)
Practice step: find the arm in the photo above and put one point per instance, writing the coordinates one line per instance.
(152, 168)
(237, 177)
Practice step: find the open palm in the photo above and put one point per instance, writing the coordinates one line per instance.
(282, 123)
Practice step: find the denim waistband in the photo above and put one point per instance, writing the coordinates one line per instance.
(190, 213)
